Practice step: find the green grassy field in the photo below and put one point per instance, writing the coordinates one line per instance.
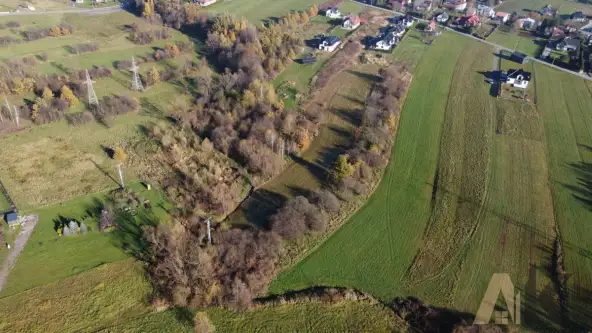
(258, 10)
(473, 199)
(8, 5)
(48, 257)
(565, 109)
(528, 46)
(310, 317)
(99, 298)
(57, 162)
(398, 210)
(525, 6)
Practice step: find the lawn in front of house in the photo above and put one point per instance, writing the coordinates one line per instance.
(49, 257)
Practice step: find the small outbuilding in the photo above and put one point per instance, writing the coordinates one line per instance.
(308, 60)
(11, 218)
(518, 57)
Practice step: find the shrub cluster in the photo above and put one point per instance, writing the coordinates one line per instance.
(84, 48)
(146, 37)
(39, 33)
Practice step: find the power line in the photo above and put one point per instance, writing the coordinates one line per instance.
(136, 82)
(92, 96)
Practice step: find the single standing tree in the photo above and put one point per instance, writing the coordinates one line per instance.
(67, 95)
(120, 156)
(154, 75)
(107, 220)
(47, 94)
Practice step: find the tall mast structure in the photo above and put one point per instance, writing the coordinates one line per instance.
(136, 82)
(92, 96)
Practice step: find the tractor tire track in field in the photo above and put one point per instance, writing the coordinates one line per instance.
(456, 194)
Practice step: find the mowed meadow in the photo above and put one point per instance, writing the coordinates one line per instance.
(477, 185)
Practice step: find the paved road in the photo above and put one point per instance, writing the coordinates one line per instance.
(104, 10)
(19, 244)
(583, 75)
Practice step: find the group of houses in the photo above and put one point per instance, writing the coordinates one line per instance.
(393, 33)
(349, 22)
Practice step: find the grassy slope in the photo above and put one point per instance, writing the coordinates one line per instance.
(48, 257)
(525, 6)
(93, 299)
(315, 317)
(257, 10)
(309, 317)
(462, 167)
(398, 210)
(567, 121)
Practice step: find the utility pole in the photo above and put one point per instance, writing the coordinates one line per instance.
(120, 171)
(16, 116)
(208, 223)
(136, 82)
(92, 96)
(8, 110)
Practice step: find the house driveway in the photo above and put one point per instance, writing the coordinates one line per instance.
(19, 243)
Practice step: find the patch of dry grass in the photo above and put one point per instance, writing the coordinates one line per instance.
(97, 298)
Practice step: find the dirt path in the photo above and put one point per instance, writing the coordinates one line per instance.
(19, 243)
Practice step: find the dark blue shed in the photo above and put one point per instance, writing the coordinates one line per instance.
(11, 218)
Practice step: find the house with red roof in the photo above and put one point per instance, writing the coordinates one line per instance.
(502, 16)
(467, 21)
(431, 27)
(351, 22)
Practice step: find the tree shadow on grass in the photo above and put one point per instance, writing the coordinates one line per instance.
(260, 206)
(366, 76)
(583, 190)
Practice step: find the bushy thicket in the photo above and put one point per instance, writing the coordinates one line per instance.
(8, 40)
(372, 143)
(84, 47)
(38, 33)
(147, 37)
(115, 105)
(187, 272)
(300, 216)
(198, 178)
